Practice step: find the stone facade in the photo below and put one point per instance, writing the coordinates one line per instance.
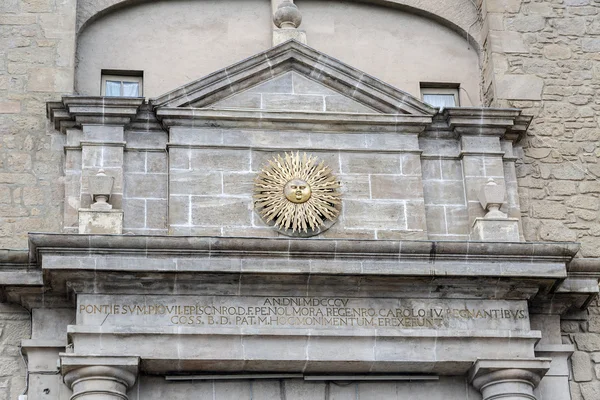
(550, 49)
(173, 177)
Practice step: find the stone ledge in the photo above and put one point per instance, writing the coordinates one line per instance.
(303, 248)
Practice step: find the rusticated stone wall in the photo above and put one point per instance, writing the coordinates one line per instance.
(15, 325)
(545, 58)
(544, 55)
(583, 330)
(37, 39)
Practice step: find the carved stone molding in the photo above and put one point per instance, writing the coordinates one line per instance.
(93, 377)
(513, 379)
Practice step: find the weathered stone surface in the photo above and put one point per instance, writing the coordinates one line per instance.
(587, 341)
(590, 390)
(520, 87)
(101, 222)
(582, 367)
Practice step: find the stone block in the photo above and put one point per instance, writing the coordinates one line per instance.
(411, 164)
(156, 214)
(134, 213)
(436, 219)
(507, 42)
(586, 202)
(146, 186)
(238, 183)
(10, 107)
(396, 187)
(374, 215)
(219, 160)
(587, 341)
(496, 230)
(415, 216)
(590, 390)
(179, 158)
(179, 210)
(101, 157)
(457, 220)
(567, 171)
(556, 231)
(100, 222)
(243, 100)
(503, 6)
(221, 211)
(570, 26)
(589, 187)
(582, 366)
(283, 35)
(557, 52)
(156, 162)
(281, 84)
(195, 182)
(590, 45)
(355, 186)
(339, 103)
(37, 6)
(18, 19)
(549, 209)
(519, 87)
(370, 163)
(431, 169)
(340, 141)
(444, 192)
(135, 161)
(103, 133)
(293, 102)
(526, 23)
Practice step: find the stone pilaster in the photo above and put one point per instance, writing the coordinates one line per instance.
(95, 140)
(95, 378)
(480, 132)
(513, 379)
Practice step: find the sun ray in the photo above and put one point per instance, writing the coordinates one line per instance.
(297, 193)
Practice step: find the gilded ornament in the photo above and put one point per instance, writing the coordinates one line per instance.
(297, 193)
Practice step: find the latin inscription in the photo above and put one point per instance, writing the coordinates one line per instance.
(303, 312)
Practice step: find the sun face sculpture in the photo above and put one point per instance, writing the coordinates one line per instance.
(297, 193)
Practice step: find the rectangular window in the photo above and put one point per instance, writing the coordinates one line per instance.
(122, 83)
(440, 95)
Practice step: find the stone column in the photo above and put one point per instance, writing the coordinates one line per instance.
(513, 379)
(99, 378)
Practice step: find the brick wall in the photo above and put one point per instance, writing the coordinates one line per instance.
(36, 65)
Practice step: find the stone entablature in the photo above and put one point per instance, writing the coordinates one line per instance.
(128, 302)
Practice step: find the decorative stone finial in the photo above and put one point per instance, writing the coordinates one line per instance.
(491, 197)
(100, 187)
(287, 15)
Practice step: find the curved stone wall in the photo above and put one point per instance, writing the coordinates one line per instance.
(457, 14)
(176, 42)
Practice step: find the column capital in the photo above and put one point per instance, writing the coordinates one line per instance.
(89, 375)
(508, 378)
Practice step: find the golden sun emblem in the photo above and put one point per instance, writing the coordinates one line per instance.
(297, 193)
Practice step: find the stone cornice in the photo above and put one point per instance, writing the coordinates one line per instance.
(292, 120)
(301, 248)
(506, 123)
(73, 111)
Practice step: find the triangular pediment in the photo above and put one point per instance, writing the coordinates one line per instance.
(294, 77)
